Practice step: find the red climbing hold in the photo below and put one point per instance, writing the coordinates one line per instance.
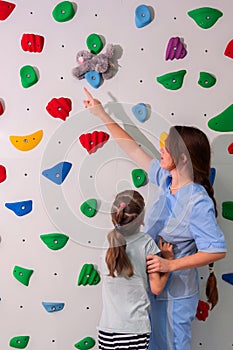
(1, 108)
(230, 148)
(32, 42)
(202, 310)
(229, 49)
(2, 173)
(59, 107)
(93, 141)
(5, 9)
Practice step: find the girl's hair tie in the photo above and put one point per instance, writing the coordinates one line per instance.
(117, 227)
(211, 269)
(123, 205)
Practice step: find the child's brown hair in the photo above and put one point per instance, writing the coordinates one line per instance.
(127, 215)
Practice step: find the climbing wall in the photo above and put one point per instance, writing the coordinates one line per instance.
(166, 62)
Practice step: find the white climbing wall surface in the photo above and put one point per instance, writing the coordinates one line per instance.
(154, 65)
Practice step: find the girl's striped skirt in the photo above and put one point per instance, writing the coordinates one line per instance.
(123, 341)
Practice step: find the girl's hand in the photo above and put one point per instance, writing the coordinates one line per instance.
(95, 105)
(166, 249)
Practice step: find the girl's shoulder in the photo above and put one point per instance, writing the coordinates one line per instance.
(142, 239)
(150, 245)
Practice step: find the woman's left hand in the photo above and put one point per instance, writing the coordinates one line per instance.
(156, 264)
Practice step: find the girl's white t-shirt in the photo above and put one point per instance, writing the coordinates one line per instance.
(125, 299)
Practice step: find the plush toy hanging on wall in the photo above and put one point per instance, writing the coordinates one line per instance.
(100, 63)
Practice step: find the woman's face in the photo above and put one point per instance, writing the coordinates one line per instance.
(166, 160)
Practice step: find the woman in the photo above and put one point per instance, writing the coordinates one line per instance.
(183, 214)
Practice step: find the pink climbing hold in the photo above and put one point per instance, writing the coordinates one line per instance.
(175, 49)
(2, 173)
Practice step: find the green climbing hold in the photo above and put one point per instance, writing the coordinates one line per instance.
(28, 76)
(227, 210)
(88, 275)
(22, 275)
(85, 343)
(206, 80)
(63, 12)
(223, 121)
(54, 241)
(139, 177)
(205, 17)
(89, 207)
(94, 43)
(19, 342)
(172, 81)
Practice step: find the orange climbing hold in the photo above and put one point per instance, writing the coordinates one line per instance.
(93, 141)
(5, 9)
(59, 107)
(27, 142)
(32, 42)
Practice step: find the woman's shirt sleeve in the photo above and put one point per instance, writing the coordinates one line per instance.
(156, 174)
(204, 228)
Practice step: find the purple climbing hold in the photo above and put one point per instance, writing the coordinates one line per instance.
(175, 49)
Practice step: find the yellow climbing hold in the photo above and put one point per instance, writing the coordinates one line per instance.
(163, 137)
(27, 142)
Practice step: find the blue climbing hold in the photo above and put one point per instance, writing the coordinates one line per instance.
(228, 277)
(58, 172)
(142, 16)
(20, 208)
(140, 112)
(212, 175)
(93, 78)
(52, 307)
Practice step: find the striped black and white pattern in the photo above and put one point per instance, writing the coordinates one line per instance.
(120, 341)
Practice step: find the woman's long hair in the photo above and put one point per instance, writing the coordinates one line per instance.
(194, 145)
(127, 215)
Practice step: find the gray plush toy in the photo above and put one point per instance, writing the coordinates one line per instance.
(100, 63)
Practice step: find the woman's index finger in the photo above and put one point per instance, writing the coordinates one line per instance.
(89, 95)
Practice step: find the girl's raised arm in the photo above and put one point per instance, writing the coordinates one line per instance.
(125, 141)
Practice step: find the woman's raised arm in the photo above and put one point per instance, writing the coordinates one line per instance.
(124, 140)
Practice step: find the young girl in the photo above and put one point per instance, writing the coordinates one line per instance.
(124, 323)
(183, 213)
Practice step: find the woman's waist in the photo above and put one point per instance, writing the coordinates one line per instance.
(180, 284)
